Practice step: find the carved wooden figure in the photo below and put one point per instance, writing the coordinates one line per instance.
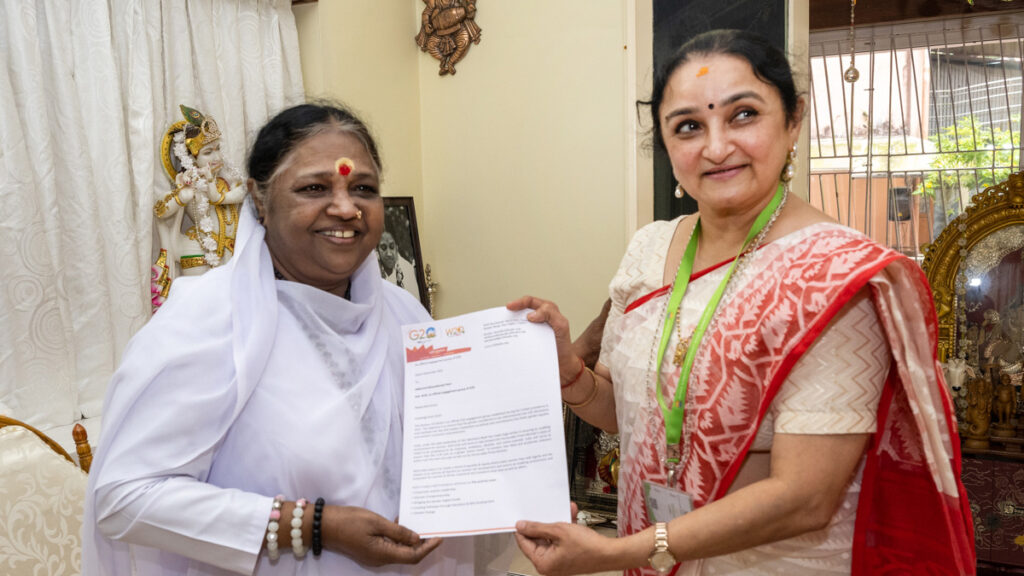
(447, 28)
(1005, 406)
(979, 413)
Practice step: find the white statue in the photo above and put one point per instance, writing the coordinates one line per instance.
(957, 371)
(995, 345)
(205, 190)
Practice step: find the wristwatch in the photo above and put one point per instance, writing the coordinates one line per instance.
(661, 559)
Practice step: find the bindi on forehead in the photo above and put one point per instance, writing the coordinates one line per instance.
(344, 165)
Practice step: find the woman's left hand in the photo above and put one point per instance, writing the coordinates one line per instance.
(562, 549)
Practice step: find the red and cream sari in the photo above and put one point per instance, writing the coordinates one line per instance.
(908, 511)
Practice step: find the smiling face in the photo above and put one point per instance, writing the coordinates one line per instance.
(322, 225)
(726, 133)
(210, 155)
(387, 250)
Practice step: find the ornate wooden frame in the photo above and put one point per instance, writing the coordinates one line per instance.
(994, 208)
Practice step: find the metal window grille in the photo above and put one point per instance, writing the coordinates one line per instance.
(934, 118)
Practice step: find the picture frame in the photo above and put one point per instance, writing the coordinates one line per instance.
(399, 253)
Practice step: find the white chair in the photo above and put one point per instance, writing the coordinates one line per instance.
(42, 494)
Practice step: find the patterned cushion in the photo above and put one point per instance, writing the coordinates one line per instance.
(41, 500)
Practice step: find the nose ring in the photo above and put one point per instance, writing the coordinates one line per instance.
(359, 214)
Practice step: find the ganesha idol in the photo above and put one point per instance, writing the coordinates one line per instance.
(197, 221)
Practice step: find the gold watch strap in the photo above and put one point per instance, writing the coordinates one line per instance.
(660, 537)
(661, 560)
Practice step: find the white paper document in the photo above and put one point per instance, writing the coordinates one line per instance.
(483, 441)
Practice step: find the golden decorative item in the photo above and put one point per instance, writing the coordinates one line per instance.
(608, 468)
(680, 354)
(447, 28)
(432, 289)
(208, 130)
(161, 280)
(851, 74)
(991, 210)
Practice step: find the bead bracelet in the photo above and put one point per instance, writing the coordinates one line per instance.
(273, 526)
(318, 514)
(297, 513)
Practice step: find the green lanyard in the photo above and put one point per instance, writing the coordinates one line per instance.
(673, 412)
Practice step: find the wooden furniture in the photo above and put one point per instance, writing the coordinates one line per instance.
(42, 501)
(976, 271)
(995, 490)
(79, 434)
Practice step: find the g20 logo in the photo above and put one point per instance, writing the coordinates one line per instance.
(422, 334)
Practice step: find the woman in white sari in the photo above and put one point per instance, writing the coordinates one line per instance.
(280, 373)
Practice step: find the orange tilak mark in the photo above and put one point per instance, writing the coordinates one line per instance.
(703, 70)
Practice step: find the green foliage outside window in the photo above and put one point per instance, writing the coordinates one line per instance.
(970, 157)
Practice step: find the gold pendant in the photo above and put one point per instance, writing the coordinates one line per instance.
(681, 349)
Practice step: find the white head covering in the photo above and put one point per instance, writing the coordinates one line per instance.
(185, 393)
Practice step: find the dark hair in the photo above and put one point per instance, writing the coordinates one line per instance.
(292, 126)
(767, 61)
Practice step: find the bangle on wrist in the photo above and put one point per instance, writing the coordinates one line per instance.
(318, 513)
(590, 398)
(578, 374)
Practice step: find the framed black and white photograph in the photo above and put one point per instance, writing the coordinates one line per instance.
(401, 261)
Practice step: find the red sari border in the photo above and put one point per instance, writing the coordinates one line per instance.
(664, 289)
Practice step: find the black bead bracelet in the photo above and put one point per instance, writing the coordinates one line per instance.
(318, 514)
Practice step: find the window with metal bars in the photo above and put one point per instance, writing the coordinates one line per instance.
(934, 118)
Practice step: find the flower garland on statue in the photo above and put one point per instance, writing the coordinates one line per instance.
(193, 178)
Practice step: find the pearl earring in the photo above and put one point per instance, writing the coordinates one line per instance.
(679, 191)
(789, 172)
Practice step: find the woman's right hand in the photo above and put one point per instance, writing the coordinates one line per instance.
(371, 539)
(547, 311)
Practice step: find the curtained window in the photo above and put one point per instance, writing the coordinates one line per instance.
(87, 89)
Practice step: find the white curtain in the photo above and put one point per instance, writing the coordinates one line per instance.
(87, 89)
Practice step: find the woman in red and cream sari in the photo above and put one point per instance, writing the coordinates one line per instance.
(763, 365)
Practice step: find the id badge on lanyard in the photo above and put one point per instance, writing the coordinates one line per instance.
(665, 503)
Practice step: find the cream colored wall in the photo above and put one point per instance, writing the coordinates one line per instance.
(524, 158)
(362, 53)
(518, 163)
(525, 165)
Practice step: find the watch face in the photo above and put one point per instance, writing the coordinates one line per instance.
(662, 561)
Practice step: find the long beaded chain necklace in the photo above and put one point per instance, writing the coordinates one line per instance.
(683, 356)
